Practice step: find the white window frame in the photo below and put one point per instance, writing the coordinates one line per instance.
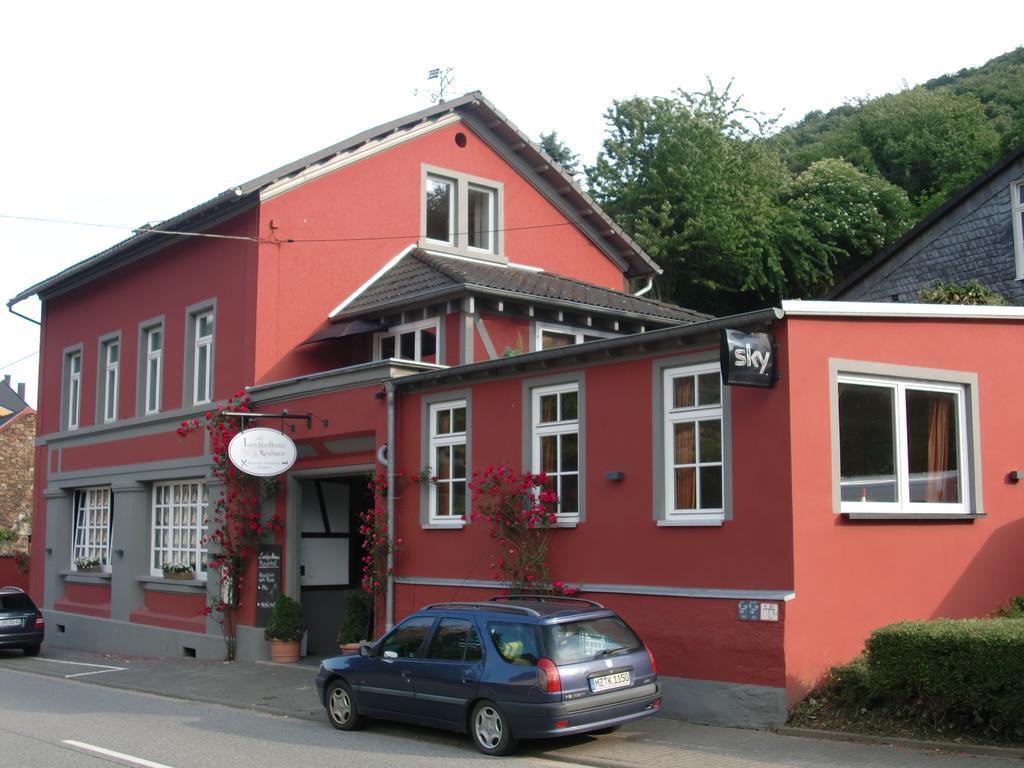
(111, 378)
(203, 342)
(492, 215)
(453, 204)
(695, 414)
(460, 185)
(903, 505)
(448, 441)
(578, 333)
(92, 525)
(184, 517)
(418, 327)
(153, 381)
(558, 428)
(74, 389)
(1017, 209)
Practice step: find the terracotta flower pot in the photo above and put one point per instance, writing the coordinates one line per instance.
(284, 651)
(348, 647)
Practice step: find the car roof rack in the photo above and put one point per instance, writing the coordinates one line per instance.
(547, 599)
(482, 606)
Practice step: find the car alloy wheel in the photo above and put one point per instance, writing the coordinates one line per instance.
(490, 730)
(341, 707)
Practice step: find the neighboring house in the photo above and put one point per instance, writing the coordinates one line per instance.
(753, 536)
(17, 452)
(978, 234)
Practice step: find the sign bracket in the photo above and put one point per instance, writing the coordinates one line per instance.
(306, 416)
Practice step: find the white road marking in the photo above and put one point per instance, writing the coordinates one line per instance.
(115, 755)
(100, 668)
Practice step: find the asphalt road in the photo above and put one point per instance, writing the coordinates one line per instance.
(48, 722)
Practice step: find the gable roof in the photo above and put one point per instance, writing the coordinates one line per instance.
(419, 276)
(490, 124)
(935, 217)
(10, 403)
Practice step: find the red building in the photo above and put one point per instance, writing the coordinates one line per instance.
(438, 286)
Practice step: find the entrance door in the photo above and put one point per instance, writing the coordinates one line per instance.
(329, 554)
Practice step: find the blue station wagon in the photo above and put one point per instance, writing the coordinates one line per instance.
(515, 667)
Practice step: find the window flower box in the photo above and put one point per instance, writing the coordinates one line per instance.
(178, 571)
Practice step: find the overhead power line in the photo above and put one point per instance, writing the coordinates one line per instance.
(20, 360)
(272, 241)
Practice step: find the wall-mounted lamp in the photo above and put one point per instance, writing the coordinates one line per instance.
(380, 394)
(615, 476)
(1015, 476)
(49, 550)
(119, 552)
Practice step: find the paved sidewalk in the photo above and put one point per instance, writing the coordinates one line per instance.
(659, 742)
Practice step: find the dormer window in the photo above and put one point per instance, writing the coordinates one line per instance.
(462, 215)
(410, 341)
(551, 336)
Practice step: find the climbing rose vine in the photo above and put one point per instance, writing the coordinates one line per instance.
(377, 543)
(521, 511)
(235, 525)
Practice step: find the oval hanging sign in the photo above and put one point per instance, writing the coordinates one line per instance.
(262, 452)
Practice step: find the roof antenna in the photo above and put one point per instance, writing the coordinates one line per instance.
(444, 81)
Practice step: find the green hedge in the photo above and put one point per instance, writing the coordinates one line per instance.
(965, 673)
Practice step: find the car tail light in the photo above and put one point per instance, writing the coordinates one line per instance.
(654, 664)
(547, 676)
(39, 621)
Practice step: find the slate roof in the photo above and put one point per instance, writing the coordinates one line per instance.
(886, 258)
(424, 276)
(472, 107)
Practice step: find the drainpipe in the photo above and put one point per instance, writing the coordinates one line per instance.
(389, 598)
(646, 288)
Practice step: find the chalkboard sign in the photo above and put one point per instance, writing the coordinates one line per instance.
(268, 581)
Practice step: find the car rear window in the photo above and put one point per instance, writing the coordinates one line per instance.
(576, 641)
(16, 602)
(515, 643)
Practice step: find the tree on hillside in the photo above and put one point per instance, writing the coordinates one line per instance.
(845, 216)
(930, 143)
(692, 180)
(560, 152)
(689, 178)
(999, 86)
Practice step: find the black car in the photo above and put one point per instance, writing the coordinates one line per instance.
(507, 669)
(21, 623)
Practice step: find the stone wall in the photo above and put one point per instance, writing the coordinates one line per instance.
(17, 454)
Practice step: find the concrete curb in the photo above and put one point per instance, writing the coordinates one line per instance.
(1009, 753)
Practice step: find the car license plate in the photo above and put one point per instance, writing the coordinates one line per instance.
(607, 682)
(10, 622)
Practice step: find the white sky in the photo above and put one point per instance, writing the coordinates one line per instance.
(123, 113)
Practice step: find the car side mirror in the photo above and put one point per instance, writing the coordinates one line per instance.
(365, 649)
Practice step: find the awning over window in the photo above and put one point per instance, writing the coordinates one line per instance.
(339, 330)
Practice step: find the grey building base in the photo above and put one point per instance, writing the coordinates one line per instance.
(87, 633)
(716, 703)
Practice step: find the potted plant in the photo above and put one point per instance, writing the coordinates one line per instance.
(355, 626)
(177, 570)
(284, 630)
(88, 564)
